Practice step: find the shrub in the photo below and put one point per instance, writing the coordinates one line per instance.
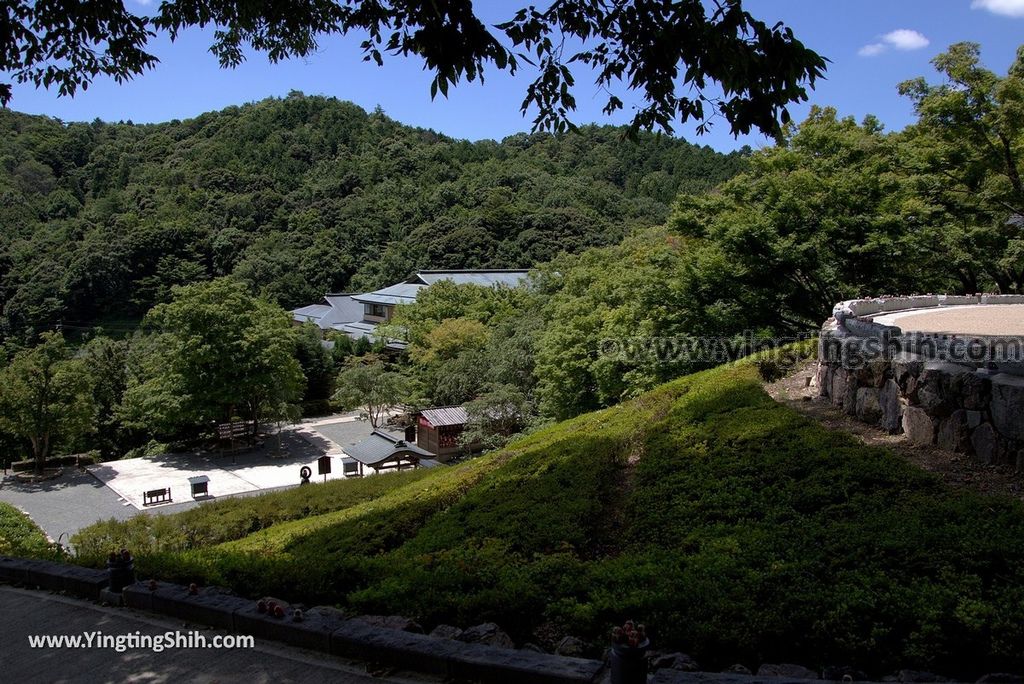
(735, 528)
(19, 536)
(228, 519)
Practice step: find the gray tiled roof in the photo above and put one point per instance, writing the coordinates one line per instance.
(340, 308)
(344, 309)
(445, 415)
(356, 329)
(509, 278)
(313, 312)
(381, 447)
(345, 312)
(367, 330)
(402, 293)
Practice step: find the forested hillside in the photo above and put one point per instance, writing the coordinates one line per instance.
(301, 196)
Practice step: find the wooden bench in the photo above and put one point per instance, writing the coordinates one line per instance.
(155, 496)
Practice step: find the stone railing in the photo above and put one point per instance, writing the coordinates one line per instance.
(964, 393)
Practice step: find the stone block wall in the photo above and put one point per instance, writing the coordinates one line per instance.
(963, 407)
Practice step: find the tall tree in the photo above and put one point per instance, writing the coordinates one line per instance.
(965, 155)
(463, 336)
(828, 216)
(668, 51)
(598, 305)
(45, 397)
(318, 367)
(106, 363)
(222, 353)
(369, 383)
(498, 413)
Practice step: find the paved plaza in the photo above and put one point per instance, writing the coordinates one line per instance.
(66, 504)
(238, 473)
(78, 498)
(982, 319)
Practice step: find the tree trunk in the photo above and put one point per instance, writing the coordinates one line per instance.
(968, 280)
(254, 414)
(40, 450)
(1011, 165)
(1002, 280)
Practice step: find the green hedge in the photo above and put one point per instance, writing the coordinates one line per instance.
(234, 518)
(19, 536)
(737, 529)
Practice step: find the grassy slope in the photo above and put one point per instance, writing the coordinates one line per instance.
(743, 532)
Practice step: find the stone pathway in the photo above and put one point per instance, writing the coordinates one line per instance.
(66, 504)
(38, 613)
(337, 435)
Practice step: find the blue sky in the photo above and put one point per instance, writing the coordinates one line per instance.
(872, 45)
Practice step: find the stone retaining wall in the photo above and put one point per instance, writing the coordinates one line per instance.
(328, 630)
(873, 373)
(322, 629)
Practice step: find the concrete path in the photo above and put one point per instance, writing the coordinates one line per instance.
(337, 435)
(38, 613)
(77, 499)
(66, 504)
(230, 474)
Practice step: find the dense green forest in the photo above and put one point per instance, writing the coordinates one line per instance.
(641, 252)
(301, 196)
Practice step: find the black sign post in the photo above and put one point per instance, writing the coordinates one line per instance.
(323, 465)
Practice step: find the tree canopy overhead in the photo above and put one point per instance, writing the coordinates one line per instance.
(669, 52)
(964, 156)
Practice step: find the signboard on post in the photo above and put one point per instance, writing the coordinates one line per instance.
(323, 466)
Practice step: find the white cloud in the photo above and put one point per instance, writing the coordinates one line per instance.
(900, 39)
(905, 39)
(1008, 8)
(871, 49)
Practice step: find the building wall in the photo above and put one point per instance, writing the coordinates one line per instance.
(426, 437)
(431, 438)
(389, 312)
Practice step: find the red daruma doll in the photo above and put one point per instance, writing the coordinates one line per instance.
(629, 650)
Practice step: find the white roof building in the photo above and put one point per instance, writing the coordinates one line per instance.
(358, 314)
